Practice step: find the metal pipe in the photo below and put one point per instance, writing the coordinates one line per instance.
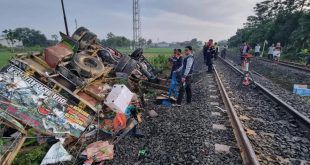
(65, 18)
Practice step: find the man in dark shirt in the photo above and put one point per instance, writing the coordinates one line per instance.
(186, 71)
(308, 60)
(208, 53)
(176, 60)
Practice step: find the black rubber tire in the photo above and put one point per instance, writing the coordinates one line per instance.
(88, 39)
(106, 56)
(79, 33)
(137, 53)
(87, 66)
(126, 65)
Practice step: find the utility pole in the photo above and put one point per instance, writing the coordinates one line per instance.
(76, 25)
(136, 24)
(65, 19)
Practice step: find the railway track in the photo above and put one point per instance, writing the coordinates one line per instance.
(273, 127)
(280, 81)
(289, 64)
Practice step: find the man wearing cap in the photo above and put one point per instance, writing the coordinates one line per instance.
(186, 71)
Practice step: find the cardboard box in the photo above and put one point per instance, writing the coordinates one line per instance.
(119, 98)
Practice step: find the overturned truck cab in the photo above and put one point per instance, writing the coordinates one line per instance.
(74, 86)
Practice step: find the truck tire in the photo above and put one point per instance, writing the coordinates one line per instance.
(126, 65)
(79, 33)
(106, 56)
(87, 66)
(89, 38)
(137, 53)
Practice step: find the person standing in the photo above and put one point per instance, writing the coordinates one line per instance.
(257, 50)
(208, 53)
(244, 49)
(175, 60)
(270, 51)
(223, 52)
(308, 60)
(277, 52)
(186, 71)
(216, 50)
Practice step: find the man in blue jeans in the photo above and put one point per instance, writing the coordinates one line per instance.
(186, 71)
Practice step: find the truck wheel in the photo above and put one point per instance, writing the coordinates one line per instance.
(137, 53)
(88, 39)
(106, 56)
(79, 33)
(126, 65)
(87, 66)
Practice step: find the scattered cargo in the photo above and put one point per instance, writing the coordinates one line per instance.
(71, 90)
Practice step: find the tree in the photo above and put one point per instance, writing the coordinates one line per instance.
(9, 36)
(141, 42)
(149, 42)
(29, 37)
(110, 35)
(55, 37)
(284, 21)
(116, 41)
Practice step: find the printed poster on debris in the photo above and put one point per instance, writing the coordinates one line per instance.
(37, 105)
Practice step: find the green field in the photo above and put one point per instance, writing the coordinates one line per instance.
(4, 57)
(6, 54)
(149, 52)
(157, 56)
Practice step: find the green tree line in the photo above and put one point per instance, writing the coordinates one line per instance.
(29, 37)
(120, 41)
(284, 21)
(32, 37)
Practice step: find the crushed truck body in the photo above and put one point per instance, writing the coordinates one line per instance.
(73, 88)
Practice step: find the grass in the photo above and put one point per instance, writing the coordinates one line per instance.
(4, 57)
(157, 56)
(149, 52)
(6, 54)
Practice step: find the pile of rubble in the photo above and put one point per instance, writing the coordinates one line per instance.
(77, 92)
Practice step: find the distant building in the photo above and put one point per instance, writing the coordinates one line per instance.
(162, 45)
(7, 43)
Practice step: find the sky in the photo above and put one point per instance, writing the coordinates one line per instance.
(161, 20)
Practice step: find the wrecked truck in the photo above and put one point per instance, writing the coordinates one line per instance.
(73, 87)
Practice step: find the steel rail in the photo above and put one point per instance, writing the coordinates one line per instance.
(302, 118)
(247, 152)
(289, 64)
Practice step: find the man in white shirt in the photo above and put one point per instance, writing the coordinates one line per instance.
(256, 50)
(270, 52)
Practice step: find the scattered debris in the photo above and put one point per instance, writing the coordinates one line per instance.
(152, 113)
(98, 151)
(142, 153)
(75, 90)
(57, 153)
